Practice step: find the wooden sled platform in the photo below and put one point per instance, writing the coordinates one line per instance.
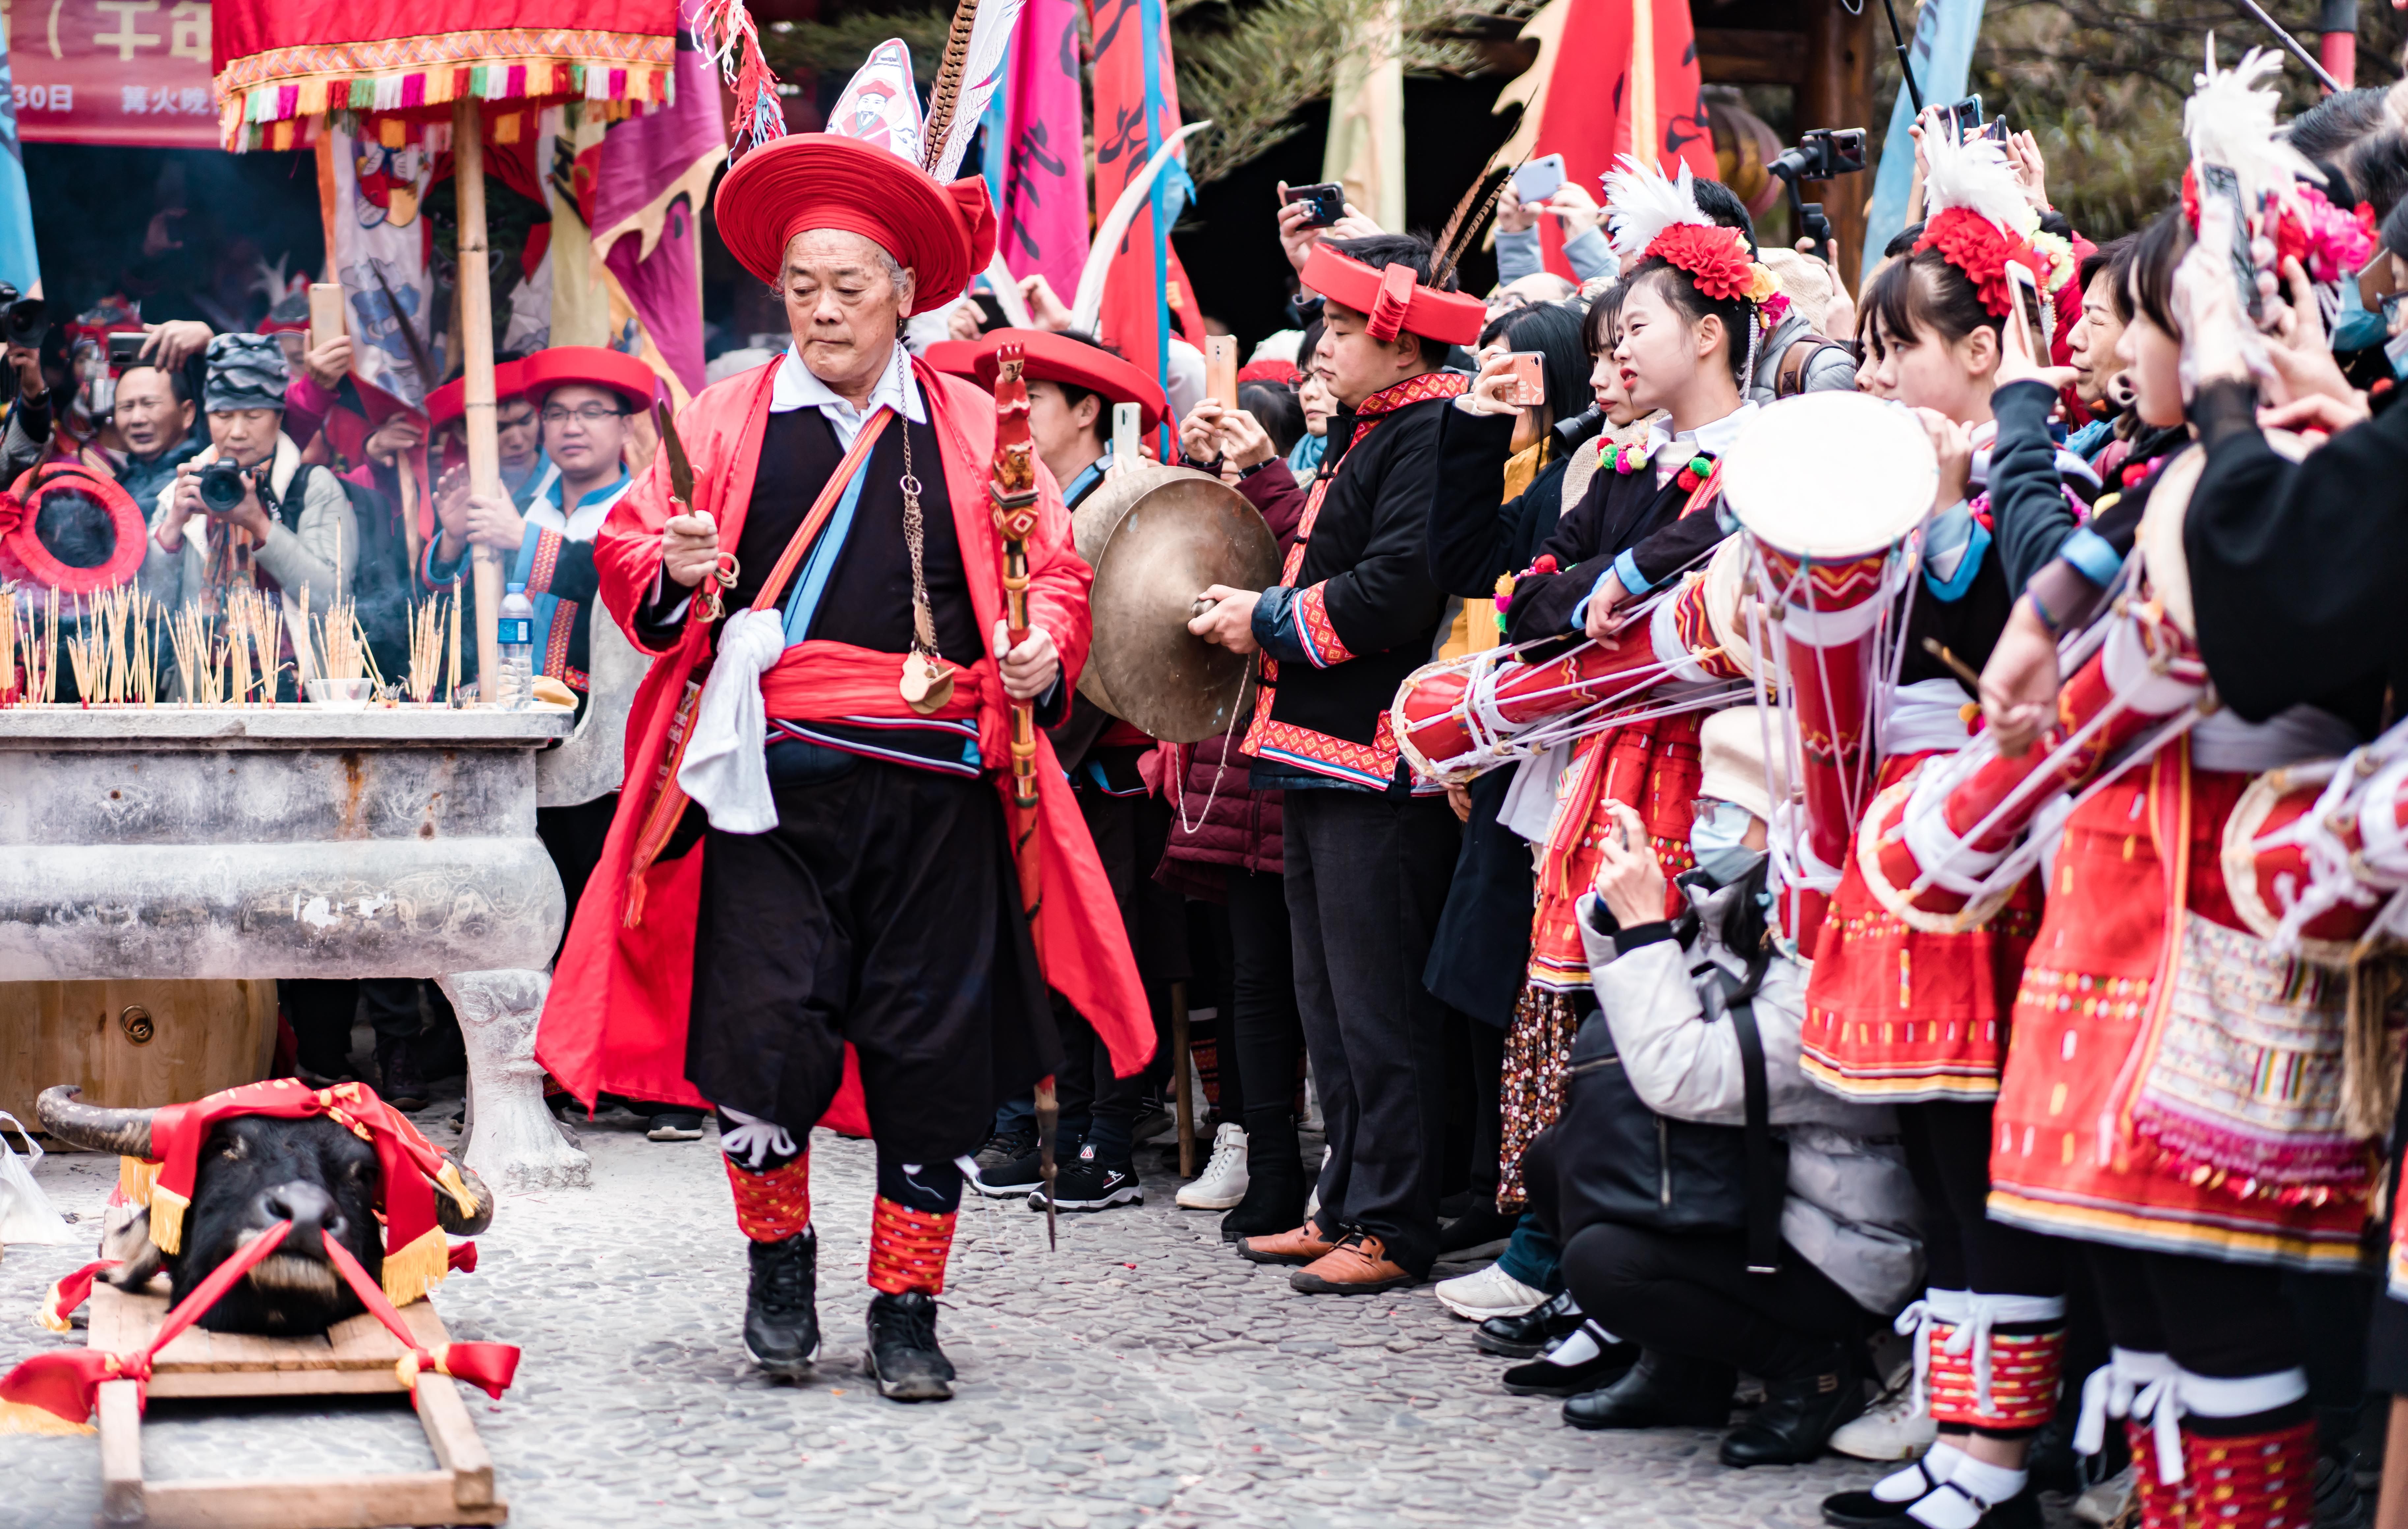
(353, 1358)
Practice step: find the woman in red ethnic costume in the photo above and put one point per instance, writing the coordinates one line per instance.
(1691, 318)
(1917, 1014)
(843, 938)
(2172, 1094)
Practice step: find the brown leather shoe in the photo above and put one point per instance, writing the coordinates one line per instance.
(1301, 1245)
(1358, 1265)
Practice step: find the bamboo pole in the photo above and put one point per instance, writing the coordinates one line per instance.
(1184, 1099)
(475, 309)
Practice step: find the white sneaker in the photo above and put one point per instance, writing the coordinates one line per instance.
(1488, 1292)
(1893, 1428)
(1223, 1182)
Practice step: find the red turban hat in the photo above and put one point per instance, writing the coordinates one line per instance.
(593, 365)
(943, 234)
(449, 401)
(1048, 357)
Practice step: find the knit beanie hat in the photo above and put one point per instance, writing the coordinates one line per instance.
(246, 371)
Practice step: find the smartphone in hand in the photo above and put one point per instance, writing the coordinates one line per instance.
(1329, 201)
(1538, 180)
(1528, 371)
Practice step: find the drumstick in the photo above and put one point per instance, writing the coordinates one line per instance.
(1957, 666)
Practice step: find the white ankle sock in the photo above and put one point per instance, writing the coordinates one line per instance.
(1972, 1485)
(1905, 1485)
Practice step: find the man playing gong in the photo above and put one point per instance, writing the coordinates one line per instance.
(852, 904)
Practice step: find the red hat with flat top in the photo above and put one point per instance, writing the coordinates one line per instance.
(1393, 300)
(449, 401)
(954, 358)
(1048, 357)
(593, 365)
(943, 234)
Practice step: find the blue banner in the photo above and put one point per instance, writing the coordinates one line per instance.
(20, 267)
(1942, 53)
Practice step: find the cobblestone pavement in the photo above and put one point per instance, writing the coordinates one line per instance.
(1140, 1375)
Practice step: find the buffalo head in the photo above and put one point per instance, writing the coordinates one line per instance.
(254, 1171)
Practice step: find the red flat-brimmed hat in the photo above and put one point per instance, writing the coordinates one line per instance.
(450, 401)
(954, 358)
(24, 546)
(1049, 357)
(593, 365)
(943, 234)
(1393, 300)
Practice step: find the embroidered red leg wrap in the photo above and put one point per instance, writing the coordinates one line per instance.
(907, 1248)
(774, 1205)
(2252, 1481)
(2162, 1506)
(2024, 1368)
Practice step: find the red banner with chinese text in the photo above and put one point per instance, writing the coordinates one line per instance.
(112, 71)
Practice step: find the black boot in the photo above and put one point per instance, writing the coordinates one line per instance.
(1589, 1360)
(1799, 1414)
(398, 1082)
(903, 1355)
(781, 1321)
(1662, 1391)
(1527, 1337)
(1275, 1186)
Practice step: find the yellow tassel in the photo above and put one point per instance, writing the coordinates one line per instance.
(135, 1177)
(410, 1272)
(19, 1418)
(448, 1177)
(52, 1319)
(167, 1209)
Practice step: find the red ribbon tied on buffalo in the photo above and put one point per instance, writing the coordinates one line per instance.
(1395, 297)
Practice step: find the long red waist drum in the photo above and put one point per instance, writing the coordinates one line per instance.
(1435, 713)
(2267, 869)
(1829, 617)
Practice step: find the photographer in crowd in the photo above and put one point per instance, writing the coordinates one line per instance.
(271, 521)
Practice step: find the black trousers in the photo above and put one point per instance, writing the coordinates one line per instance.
(1948, 1153)
(1693, 1296)
(320, 1010)
(1365, 878)
(882, 910)
(2211, 1318)
(1263, 1034)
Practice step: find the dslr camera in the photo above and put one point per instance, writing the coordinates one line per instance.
(24, 321)
(223, 486)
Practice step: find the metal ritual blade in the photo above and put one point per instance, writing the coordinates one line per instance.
(680, 470)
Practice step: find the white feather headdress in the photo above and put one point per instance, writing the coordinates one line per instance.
(1976, 178)
(1644, 204)
(2230, 121)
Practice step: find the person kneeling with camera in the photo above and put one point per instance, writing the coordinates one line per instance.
(1716, 1207)
(247, 510)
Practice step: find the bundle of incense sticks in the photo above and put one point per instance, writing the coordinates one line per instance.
(341, 643)
(88, 655)
(254, 644)
(426, 629)
(200, 657)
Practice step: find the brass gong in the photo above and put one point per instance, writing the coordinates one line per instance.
(1157, 536)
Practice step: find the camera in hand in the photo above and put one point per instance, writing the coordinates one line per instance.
(24, 321)
(1822, 154)
(223, 487)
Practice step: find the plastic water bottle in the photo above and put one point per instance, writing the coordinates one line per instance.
(515, 686)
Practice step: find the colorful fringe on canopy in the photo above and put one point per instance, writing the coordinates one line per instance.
(267, 100)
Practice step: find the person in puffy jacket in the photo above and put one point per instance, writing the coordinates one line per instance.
(1850, 1253)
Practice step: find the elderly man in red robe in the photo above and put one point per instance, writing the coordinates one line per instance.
(808, 907)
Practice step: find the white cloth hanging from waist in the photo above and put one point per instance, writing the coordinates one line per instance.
(1926, 715)
(2223, 741)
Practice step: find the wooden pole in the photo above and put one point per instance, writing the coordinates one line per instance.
(475, 300)
(1837, 92)
(1642, 81)
(1184, 1096)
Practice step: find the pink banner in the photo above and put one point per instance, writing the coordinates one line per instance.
(113, 71)
(1044, 212)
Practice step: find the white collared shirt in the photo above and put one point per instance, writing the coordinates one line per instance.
(1713, 438)
(796, 388)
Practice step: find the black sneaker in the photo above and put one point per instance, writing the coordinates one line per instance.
(1085, 1184)
(903, 1356)
(781, 1321)
(1018, 1174)
(675, 1125)
(1006, 1147)
(1591, 1358)
(1527, 1337)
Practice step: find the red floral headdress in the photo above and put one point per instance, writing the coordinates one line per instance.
(2230, 123)
(1654, 216)
(1978, 219)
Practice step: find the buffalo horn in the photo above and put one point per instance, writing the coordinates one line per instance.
(125, 1132)
(447, 1209)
